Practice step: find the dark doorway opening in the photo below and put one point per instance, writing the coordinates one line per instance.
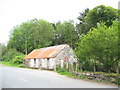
(47, 63)
(34, 62)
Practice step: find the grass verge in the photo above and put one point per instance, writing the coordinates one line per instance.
(63, 71)
(12, 64)
(69, 74)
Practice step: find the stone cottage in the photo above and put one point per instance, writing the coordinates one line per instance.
(49, 57)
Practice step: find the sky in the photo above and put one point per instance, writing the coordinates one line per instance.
(14, 12)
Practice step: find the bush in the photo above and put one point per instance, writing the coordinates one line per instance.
(11, 54)
(118, 80)
(18, 59)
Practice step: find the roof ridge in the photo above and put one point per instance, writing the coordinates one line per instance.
(50, 46)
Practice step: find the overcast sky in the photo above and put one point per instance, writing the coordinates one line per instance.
(14, 12)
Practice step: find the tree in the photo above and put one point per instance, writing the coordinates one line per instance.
(100, 14)
(91, 18)
(99, 48)
(31, 35)
(65, 34)
(82, 27)
(3, 50)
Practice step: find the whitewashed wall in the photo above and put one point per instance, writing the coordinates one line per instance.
(52, 63)
(32, 63)
(47, 64)
(44, 63)
(59, 59)
(37, 63)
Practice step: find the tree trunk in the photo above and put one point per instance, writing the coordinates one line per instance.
(94, 68)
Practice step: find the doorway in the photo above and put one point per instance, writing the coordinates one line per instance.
(47, 63)
(34, 62)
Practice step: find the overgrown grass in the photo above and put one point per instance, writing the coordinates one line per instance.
(63, 71)
(12, 64)
(69, 74)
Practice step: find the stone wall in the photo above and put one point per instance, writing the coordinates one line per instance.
(100, 76)
(65, 56)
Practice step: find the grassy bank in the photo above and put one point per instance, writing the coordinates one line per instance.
(101, 77)
(12, 64)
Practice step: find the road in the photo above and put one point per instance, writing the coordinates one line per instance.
(13, 77)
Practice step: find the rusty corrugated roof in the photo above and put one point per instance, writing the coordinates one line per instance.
(48, 52)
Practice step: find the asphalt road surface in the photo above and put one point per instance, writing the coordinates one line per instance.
(12, 77)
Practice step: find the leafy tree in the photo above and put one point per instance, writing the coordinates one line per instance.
(100, 14)
(99, 48)
(82, 27)
(91, 18)
(65, 33)
(31, 35)
(3, 50)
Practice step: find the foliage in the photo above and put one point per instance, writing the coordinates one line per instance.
(18, 59)
(82, 27)
(91, 18)
(100, 14)
(65, 34)
(96, 36)
(99, 48)
(3, 50)
(31, 35)
(63, 71)
(11, 54)
(96, 49)
(13, 58)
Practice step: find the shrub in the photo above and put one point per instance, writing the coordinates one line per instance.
(11, 54)
(18, 59)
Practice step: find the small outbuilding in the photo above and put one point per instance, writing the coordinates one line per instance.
(50, 57)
